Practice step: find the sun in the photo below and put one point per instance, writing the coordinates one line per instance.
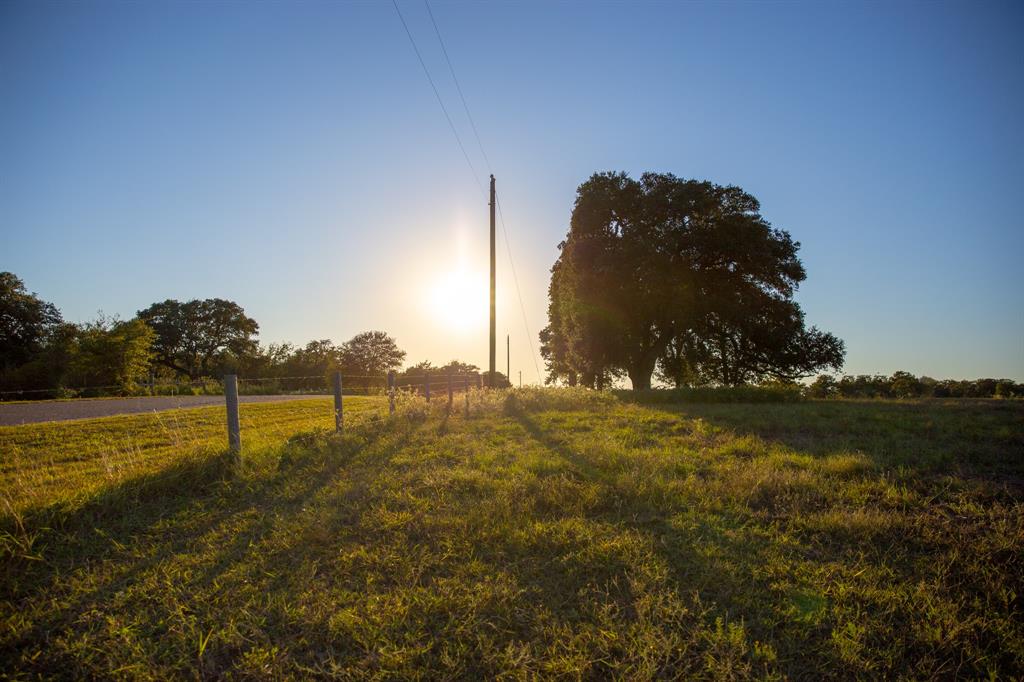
(457, 298)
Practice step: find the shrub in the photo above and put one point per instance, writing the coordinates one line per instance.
(774, 393)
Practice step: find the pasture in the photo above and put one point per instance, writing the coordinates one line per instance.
(552, 533)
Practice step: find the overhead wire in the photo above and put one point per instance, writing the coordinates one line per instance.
(437, 94)
(451, 69)
(483, 153)
(487, 162)
(515, 279)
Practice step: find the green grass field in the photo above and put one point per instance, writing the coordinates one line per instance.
(553, 533)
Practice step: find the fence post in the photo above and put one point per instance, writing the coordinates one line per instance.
(391, 392)
(479, 380)
(465, 389)
(339, 417)
(450, 391)
(426, 386)
(231, 399)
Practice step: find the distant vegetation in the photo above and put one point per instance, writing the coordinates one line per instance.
(906, 385)
(179, 346)
(187, 347)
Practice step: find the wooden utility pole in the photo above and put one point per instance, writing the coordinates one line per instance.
(493, 269)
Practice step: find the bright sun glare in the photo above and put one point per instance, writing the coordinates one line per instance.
(457, 298)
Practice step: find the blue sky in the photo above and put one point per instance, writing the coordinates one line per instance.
(292, 157)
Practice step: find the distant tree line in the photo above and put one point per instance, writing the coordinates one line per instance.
(42, 355)
(906, 385)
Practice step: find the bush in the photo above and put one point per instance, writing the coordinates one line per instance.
(774, 393)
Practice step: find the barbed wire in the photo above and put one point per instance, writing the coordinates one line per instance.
(144, 389)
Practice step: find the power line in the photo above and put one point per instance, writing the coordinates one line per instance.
(458, 87)
(487, 162)
(437, 94)
(522, 307)
(480, 144)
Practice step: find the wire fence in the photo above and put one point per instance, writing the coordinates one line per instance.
(312, 384)
(66, 462)
(427, 385)
(128, 389)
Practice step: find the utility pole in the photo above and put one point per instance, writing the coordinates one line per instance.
(493, 268)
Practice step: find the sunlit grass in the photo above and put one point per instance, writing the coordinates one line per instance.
(60, 462)
(550, 534)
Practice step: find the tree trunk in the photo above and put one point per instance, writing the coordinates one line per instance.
(641, 381)
(641, 371)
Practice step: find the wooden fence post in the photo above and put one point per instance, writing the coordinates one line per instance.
(450, 396)
(426, 386)
(479, 380)
(231, 400)
(391, 392)
(465, 389)
(339, 417)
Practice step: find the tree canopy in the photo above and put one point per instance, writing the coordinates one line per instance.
(110, 353)
(26, 321)
(682, 276)
(370, 354)
(192, 336)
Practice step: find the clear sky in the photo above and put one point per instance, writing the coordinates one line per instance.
(292, 157)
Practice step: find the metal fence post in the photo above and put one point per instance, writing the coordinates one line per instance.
(426, 386)
(391, 392)
(339, 417)
(231, 400)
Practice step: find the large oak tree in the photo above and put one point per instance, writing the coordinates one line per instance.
(192, 337)
(681, 275)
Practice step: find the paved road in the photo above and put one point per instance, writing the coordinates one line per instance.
(64, 410)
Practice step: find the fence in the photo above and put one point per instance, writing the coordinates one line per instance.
(141, 388)
(390, 385)
(313, 384)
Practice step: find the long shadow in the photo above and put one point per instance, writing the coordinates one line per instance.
(691, 570)
(117, 519)
(977, 438)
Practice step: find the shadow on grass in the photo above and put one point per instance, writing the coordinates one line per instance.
(719, 576)
(142, 523)
(965, 437)
(571, 563)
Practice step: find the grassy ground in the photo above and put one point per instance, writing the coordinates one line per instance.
(555, 534)
(66, 462)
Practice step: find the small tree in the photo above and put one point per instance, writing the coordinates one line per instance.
(316, 358)
(112, 353)
(905, 385)
(368, 355)
(824, 386)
